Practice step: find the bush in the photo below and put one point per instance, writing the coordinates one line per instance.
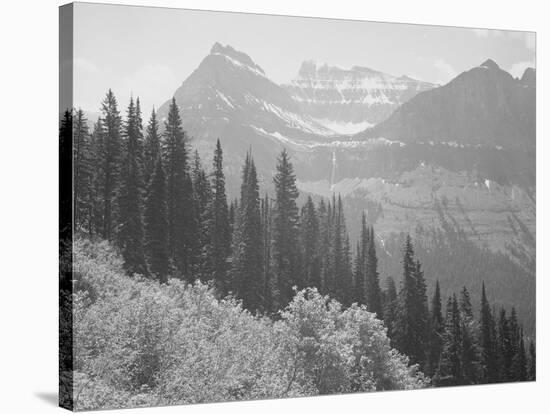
(139, 343)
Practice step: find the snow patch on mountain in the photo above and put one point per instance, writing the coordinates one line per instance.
(344, 128)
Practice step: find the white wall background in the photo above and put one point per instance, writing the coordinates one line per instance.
(28, 205)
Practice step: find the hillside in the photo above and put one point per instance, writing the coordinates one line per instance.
(139, 343)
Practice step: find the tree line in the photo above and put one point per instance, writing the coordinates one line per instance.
(148, 194)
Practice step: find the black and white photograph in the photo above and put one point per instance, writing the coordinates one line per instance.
(262, 207)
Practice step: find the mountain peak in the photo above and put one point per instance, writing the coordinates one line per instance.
(529, 77)
(235, 55)
(489, 64)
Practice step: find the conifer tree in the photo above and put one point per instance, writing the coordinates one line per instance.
(82, 171)
(96, 208)
(504, 347)
(519, 361)
(285, 228)
(360, 276)
(270, 290)
(437, 330)
(219, 226)
(373, 292)
(390, 306)
(487, 341)
(247, 243)
(202, 197)
(152, 150)
(324, 245)
(470, 353)
(129, 202)
(156, 224)
(179, 194)
(110, 161)
(309, 239)
(451, 367)
(66, 221)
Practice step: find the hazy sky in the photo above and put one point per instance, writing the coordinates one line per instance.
(149, 51)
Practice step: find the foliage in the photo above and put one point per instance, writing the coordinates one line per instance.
(138, 342)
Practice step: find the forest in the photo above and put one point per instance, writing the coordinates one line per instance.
(180, 294)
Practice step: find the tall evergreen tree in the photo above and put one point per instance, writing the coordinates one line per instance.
(451, 363)
(437, 330)
(360, 275)
(309, 239)
(129, 202)
(247, 243)
(110, 156)
(410, 327)
(519, 361)
(373, 292)
(270, 289)
(179, 195)
(156, 224)
(82, 172)
(285, 228)
(487, 341)
(202, 198)
(219, 226)
(152, 150)
(470, 352)
(504, 348)
(390, 306)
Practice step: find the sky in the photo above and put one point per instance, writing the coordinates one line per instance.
(148, 52)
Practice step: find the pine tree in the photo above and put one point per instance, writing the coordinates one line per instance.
(179, 194)
(95, 207)
(410, 327)
(156, 224)
(247, 242)
(219, 226)
(470, 353)
(202, 198)
(110, 156)
(487, 341)
(373, 292)
(129, 202)
(504, 346)
(390, 306)
(519, 361)
(437, 330)
(360, 276)
(151, 151)
(285, 228)
(324, 245)
(82, 172)
(309, 240)
(270, 290)
(451, 366)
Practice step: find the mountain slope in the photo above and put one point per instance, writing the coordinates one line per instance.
(484, 106)
(349, 100)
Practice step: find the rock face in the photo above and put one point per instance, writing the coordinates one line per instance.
(484, 106)
(229, 97)
(350, 100)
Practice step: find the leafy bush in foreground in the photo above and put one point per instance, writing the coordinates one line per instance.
(140, 343)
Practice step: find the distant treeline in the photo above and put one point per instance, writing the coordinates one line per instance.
(149, 195)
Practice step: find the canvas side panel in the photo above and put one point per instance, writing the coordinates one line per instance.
(66, 382)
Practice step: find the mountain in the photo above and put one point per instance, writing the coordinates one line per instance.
(484, 106)
(229, 96)
(349, 100)
(456, 161)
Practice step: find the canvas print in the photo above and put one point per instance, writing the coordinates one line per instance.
(258, 207)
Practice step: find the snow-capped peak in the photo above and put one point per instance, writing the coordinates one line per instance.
(236, 57)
